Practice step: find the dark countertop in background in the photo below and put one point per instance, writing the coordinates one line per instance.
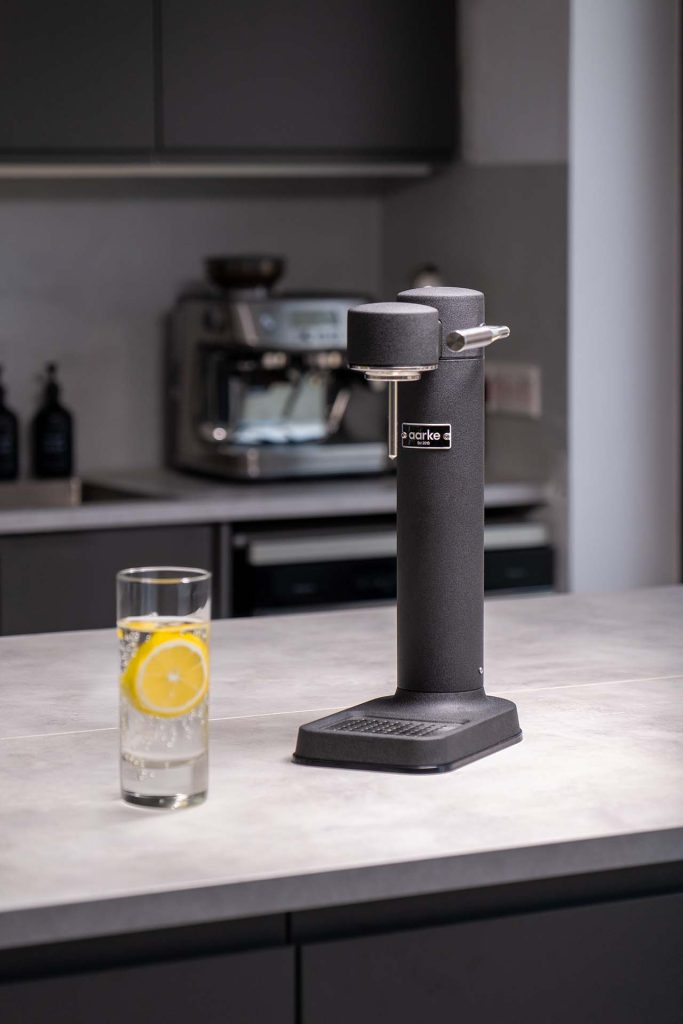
(162, 496)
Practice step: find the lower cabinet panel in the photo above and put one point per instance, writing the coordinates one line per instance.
(610, 963)
(66, 580)
(244, 988)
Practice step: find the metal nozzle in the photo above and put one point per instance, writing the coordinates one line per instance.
(393, 375)
(392, 426)
(475, 337)
(393, 342)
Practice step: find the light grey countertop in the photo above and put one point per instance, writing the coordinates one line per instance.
(596, 784)
(163, 496)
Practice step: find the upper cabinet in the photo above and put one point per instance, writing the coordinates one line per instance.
(221, 80)
(514, 81)
(76, 76)
(339, 77)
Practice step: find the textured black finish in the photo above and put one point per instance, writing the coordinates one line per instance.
(440, 525)
(472, 725)
(440, 513)
(388, 334)
(457, 308)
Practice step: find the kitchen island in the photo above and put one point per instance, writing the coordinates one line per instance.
(325, 895)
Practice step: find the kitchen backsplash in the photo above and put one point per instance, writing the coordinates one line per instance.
(87, 271)
(502, 229)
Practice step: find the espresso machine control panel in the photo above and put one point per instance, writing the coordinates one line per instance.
(287, 323)
(315, 325)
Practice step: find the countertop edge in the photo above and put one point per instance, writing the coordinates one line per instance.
(121, 515)
(289, 894)
(238, 503)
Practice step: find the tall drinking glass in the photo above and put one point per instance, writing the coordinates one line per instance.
(163, 618)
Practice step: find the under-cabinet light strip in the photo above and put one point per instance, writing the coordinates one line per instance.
(16, 171)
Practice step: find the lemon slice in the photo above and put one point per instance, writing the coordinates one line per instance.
(168, 676)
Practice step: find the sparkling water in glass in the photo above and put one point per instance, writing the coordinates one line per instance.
(163, 622)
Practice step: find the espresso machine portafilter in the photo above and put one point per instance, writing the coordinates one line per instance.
(431, 342)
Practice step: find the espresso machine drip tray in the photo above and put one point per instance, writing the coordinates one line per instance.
(281, 462)
(278, 433)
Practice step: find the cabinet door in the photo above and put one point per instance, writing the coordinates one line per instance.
(612, 962)
(339, 76)
(77, 75)
(252, 988)
(66, 580)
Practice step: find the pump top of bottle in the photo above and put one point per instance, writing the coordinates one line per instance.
(52, 386)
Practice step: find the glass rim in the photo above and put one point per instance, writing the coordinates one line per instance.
(150, 574)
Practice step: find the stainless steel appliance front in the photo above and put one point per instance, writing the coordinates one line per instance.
(258, 387)
(279, 568)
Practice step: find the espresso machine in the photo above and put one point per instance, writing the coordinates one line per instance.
(257, 383)
(431, 343)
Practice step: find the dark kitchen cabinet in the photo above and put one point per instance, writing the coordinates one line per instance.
(255, 987)
(343, 78)
(76, 76)
(616, 961)
(368, 77)
(66, 580)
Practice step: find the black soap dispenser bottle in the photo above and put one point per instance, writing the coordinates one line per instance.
(52, 433)
(9, 438)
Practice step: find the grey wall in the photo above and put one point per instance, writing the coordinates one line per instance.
(624, 304)
(497, 220)
(514, 80)
(501, 229)
(87, 270)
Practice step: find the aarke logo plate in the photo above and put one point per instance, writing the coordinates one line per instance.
(426, 435)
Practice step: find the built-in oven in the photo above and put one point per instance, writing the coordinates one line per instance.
(347, 563)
